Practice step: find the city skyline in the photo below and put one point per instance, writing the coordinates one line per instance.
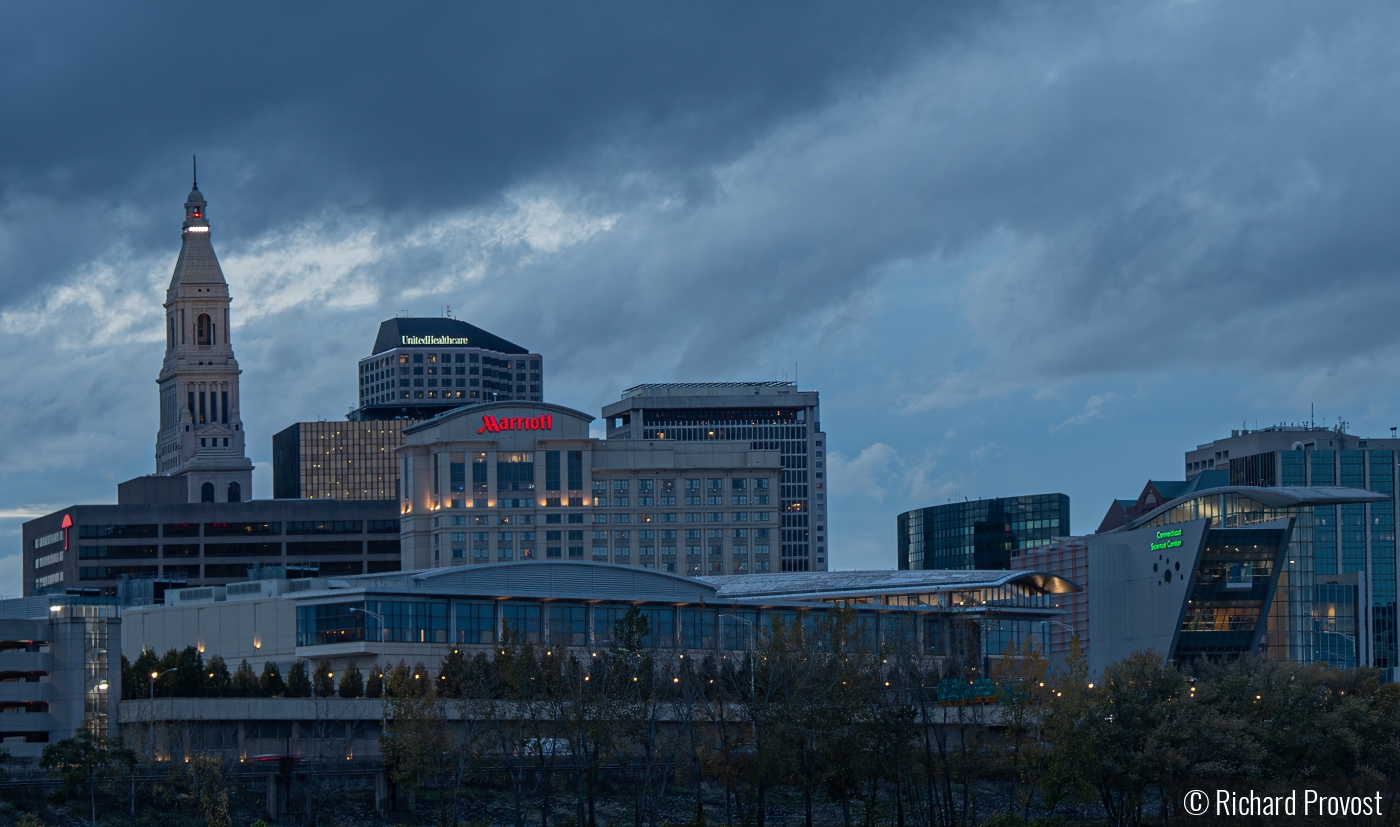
(961, 237)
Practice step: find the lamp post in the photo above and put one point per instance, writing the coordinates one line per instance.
(1064, 625)
(379, 617)
(155, 676)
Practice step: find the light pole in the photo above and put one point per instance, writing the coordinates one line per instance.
(155, 676)
(1065, 625)
(379, 617)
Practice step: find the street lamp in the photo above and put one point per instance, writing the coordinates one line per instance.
(155, 676)
(379, 617)
(1065, 625)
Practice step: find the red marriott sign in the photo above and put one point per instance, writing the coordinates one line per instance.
(492, 425)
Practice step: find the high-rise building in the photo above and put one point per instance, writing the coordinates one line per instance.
(512, 481)
(201, 432)
(1355, 537)
(419, 368)
(773, 416)
(345, 460)
(980, 534)
(423, 367)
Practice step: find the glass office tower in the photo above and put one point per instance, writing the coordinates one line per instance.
(981, 534)
(1337, 539)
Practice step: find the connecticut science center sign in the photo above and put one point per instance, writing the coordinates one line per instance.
(434, 340)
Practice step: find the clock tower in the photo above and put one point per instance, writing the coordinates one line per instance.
(201, 433)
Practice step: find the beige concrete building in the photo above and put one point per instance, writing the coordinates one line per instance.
(524, 481)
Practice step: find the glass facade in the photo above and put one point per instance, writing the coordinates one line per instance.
(1227, 596)
(338, 460)
(963, 628)
(1334, 625)
(982, 534)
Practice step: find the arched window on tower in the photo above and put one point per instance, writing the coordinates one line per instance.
(235, 492)
(206, 492)
(203, 330)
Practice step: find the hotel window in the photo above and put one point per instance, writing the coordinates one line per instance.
(515, 471)
(551, 470)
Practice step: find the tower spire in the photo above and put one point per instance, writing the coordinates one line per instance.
(194, 165)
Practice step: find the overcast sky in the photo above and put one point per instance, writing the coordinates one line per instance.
(1017, 247)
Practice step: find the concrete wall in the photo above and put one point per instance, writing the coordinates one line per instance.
(255, 630)
(1133, 606)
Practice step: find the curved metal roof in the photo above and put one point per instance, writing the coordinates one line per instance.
(1272, 497)
(835, 584)
(585, 580)
(557, 579)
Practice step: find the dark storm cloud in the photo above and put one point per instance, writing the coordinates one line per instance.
(649, 192)
(414, 108)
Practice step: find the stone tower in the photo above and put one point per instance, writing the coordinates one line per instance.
(201, 433)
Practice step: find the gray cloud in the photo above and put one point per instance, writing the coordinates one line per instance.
(645, 194)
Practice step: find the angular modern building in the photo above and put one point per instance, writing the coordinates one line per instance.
(1356, 537)
(1214, 573)
(769, 416)
(980, 534)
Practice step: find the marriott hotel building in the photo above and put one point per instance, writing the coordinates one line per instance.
(524, 481)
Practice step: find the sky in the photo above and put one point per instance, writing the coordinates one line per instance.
(1018, 247)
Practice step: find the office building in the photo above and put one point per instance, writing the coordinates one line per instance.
(980, 534)
(423, 367)
(509, 481)
(769, 416)
(153, 533)
(59, 669)
(419, 369)
(1355, 537)
(342, 460)
(200, 438)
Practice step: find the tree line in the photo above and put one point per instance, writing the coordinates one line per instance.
(818, 714)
